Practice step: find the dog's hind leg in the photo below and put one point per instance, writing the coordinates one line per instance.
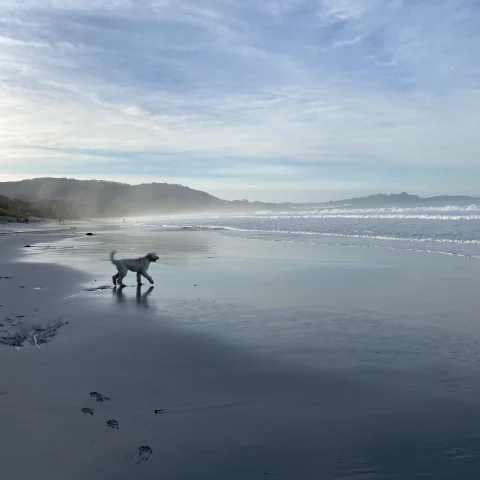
(115, 278)
(121, 276)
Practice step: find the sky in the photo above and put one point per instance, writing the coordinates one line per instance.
(272, 100)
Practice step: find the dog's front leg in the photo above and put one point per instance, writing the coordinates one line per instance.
(139, 278)
(148, 277)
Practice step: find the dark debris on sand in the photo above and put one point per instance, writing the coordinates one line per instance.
(102, 287)
(159, 410)
(99, 397)
(87, 411)
(17, 333)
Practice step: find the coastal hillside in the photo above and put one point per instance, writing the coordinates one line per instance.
(94, 198)
(41, 208)
(70, 198)
(398, 199)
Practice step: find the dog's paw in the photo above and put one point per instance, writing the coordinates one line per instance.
(152, 282)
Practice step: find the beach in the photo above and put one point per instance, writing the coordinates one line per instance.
(248, 359)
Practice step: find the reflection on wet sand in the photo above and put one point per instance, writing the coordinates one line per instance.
(91, 253)
(140, 298)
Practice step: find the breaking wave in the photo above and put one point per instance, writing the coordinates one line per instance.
(446, 229)
(331, 234)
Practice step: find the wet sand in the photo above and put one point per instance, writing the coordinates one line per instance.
(246, 360)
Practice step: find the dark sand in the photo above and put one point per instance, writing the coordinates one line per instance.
(296, 362)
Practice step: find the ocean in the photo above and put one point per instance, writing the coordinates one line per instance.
(443, 229)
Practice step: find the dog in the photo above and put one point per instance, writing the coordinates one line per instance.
(138, 265)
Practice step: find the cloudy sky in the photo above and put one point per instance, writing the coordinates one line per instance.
(298, 100)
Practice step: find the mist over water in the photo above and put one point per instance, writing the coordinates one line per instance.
(448, 229)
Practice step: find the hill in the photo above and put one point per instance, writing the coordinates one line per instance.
(94, 198)
(70, 198)
(42, 208)
(394, 199)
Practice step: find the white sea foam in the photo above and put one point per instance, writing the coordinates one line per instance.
(447, 229)
(395, 216)
(331, 234)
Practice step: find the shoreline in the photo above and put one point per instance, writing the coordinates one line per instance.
(270, 236)
(225, 410)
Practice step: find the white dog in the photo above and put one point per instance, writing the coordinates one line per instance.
(138, 265)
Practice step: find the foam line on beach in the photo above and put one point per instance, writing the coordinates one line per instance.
(333, 234)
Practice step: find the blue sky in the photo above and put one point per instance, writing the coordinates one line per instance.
(295, 100)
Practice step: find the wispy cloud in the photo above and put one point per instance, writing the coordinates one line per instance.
(348, 41)
(252, 91)
(334, 10)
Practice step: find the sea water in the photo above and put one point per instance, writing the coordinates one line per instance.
(445, 229)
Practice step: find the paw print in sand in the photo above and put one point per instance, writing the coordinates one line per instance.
(99, 397)
(144, 453)
(112, 424)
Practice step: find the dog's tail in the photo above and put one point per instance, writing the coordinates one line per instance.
(112, 257)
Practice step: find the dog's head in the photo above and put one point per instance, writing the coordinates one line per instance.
(152, 257)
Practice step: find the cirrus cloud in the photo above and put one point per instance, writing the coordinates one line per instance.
(255, 92)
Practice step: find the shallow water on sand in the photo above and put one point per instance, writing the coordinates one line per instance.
(451, 229)
(317, 305)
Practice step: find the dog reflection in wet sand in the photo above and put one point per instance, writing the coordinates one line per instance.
(137, 265)
(141, 298)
